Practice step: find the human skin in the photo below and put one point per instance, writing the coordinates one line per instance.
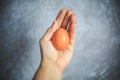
(54, 62)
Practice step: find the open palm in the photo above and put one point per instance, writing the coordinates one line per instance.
(49, 54)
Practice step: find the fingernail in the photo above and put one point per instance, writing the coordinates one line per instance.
(63, 9)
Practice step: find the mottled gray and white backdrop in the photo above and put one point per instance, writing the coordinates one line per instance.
(97, 45)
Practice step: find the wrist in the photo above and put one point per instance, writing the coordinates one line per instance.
(50, 70)
(51, 64)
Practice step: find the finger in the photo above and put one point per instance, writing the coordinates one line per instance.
(47, 36)
(66, 18)
(60, 16)
(72, 28)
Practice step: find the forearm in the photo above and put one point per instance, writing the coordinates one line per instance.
(47, 72)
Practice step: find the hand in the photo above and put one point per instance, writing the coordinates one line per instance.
(53, 62)
(51, 56)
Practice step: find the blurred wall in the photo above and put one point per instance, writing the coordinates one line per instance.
(97, 45)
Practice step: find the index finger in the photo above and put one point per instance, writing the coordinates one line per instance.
(60, 16)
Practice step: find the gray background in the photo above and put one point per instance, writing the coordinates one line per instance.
(97, 45)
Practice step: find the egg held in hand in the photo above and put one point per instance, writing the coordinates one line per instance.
(60, 39)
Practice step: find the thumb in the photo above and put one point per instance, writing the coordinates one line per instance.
(48, 34)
